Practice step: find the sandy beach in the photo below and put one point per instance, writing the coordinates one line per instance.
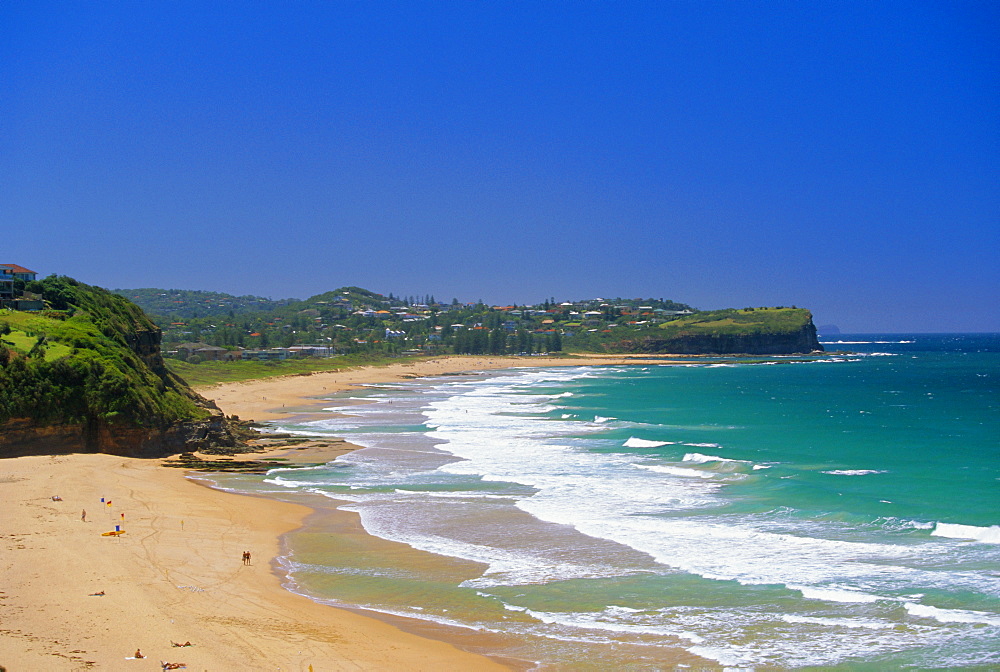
(73, 599)
(275, 398)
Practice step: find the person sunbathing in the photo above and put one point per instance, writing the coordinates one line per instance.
(184, 644)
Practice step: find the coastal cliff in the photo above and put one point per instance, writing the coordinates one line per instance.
(88, 376)
(762, 331)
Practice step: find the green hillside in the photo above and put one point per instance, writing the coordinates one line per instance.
(93, 357)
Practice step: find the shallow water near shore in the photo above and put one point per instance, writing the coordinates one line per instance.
(839, 512)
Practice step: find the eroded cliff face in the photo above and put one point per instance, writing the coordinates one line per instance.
(798, 342)
(24, 436)
(145, 343)
(162, 416)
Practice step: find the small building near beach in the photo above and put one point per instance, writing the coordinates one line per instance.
(205, 351)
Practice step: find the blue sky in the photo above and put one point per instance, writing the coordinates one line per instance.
(841, 156)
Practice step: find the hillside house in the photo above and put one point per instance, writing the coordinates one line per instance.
(18, 272)
(8, 274)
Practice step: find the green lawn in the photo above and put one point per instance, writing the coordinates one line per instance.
(23, 343)
(25, 328)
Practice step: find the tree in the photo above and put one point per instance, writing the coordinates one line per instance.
(553, 342)
(524, 341)
(498, 342)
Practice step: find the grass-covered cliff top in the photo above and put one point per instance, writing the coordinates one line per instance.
(96, 356)
(739, 321)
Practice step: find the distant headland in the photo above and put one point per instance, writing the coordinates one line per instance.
(202, 326)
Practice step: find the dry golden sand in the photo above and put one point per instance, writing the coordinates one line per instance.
(176, 575)
(276, 398)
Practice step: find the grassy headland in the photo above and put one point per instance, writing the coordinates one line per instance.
(733, 321)
(87, 376)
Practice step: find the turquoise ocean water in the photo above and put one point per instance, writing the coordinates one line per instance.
(839, 513)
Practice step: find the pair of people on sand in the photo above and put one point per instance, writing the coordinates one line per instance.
(246, 557)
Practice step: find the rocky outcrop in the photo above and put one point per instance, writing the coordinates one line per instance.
(24, 436)
(801, 341)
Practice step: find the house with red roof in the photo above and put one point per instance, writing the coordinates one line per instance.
(18, 272)
(8, 274)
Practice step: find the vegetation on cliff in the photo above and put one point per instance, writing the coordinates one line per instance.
(731, 321)
(352, 322)
(93, 357)
(765, 331)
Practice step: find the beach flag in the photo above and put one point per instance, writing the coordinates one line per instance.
(109, 502)
(118, 528)
(102, 500)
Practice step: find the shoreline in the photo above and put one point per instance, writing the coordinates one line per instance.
(296, 394)
(300, 397)
(76, 599)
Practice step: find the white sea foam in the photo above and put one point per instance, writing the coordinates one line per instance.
(700, 458)
(677, 471)
(455, 495)
(868, 624)
(289, 483)
(833, 594)
(893, 523)
(608, 620)
(865, 342)
(585, 490)
(634, 442)
(952, 615)
(986, 535)
(299, 432)
(854, 472)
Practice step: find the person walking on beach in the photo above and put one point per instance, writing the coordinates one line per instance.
(83, 516)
